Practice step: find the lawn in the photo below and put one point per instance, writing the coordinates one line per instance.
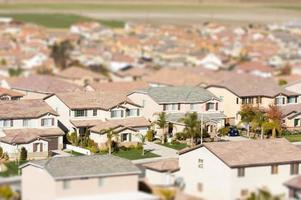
(59, 20)
(12, 169)
(74, 153)
(134, 154)
(293, 137)
(178, 146)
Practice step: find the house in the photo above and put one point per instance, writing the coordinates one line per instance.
(294, 187)
(176, 102)
(95, 111)
(211, 62)
(240, 167)
(6, 94)
(40, 86)
(291, 116)
(81, 76)
(256, 68)
(236, 91)
(95, 177)
(162, 172)
(31, 124)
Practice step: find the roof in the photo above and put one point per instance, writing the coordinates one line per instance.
(80, 73)
(166, 165)
(33, 108)
(294, 183)
(289, 109)
(25, 136)
(4, 91)
(119, 86)
(244, 85)
(215, 116)
(131, 122)
(250, 153)
(43, 84)
(76, 167)
(254, 65)
(180, 94)
(88, 100)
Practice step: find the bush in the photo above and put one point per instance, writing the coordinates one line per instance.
(23, 154)
(72, 138)
(139, 146)
(1, 152)
(150, 135)
(223, 131)
(94, 149)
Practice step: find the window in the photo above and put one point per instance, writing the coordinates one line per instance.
(116, 113)
(209, 106)
(200, 187)
(247, 100)
(132, 112)
(258, 100)
(216, 106)
(164, 107)
(292, 99)
(26, 122)
(6, 123)
(274, 169)
(241, 172)
(174, 106)
(66, 184)
(221, 98)
(280, 100)
(237, 100)
(294, 168)
(80, 113)
(94, 112)
(244, 192)
(193, 106)
(296, 122)
(124, 137)
(201, 163)
(47, 122)
(100, 182)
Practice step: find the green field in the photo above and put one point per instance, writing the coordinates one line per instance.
(134, 154)
(178, 146)
(59, 20)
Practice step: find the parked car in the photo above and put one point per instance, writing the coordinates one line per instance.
(233, 131)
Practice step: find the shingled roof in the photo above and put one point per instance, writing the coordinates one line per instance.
(76, 167)
(181, 94)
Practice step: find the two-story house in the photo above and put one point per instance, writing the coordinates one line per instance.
(236, 91)
(81, 178)
(231, 170)
(176, 102)
(31, 124)
(80, 112)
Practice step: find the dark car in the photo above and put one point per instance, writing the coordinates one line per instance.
(233, 131)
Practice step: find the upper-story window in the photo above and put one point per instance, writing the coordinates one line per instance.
(66, 184)
(94, 112)
(172, 107)
(241, 172)
(6, 123)
(193, 106)
(116, 113)
(80, 113)
(210, 106)
(280, 100)
(26, 122)
(247, 100)
(258, 100)
(294, 168)
(274, 169)
(132, 112)
(47, 122)
(292, 99)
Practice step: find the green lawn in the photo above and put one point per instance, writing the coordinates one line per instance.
(178, 146)
(293, 137)
(74, 153)
(134, 154)
(12, 169)
(59, 20)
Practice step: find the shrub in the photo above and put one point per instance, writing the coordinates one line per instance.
(223, 131)
(94, 149)
(139, 146)
(23, 154)
(150, 135)
(72, 138)
(1, 152)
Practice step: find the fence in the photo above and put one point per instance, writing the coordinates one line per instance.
(78, 149)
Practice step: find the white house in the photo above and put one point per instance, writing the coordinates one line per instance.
(230, 170)
(211, 62)
(31, 124)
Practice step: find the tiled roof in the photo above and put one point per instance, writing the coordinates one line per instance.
(11, 93)
(166, 165)
(27, 135)
(216, 116)
(249, 153)
(181, 94)
(294, 183)
(24, 109)
(79, 73)
(89, 100)
(119, 86)
(292, 109)
(75, 167)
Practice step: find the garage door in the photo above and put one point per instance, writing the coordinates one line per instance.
(52, 143)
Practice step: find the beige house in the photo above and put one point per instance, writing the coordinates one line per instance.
(31, 124)
(81, 178)
(176, 102)
(6, 94)
(245, 89)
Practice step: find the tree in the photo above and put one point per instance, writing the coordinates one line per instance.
(247, 113)
(6, 192)
(162, 123)
(263, 194)
(60, 52)
(274, 116)
(15, 72)
(110, 135)
(192, 126)
(142, 139)
(23, 154)
(259, 121)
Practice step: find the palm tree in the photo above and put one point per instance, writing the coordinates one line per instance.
(162, 123)
(142, 139)
(247, 114)
(259, 121)
(110, 135)
(192, 126)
